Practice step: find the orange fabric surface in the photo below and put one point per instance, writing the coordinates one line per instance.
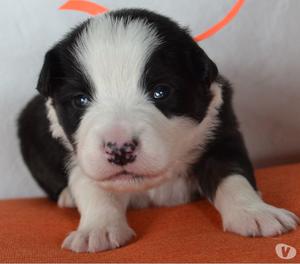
(32, 230)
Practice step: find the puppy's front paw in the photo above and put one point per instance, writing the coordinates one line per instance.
(98, 239)
(259, 219)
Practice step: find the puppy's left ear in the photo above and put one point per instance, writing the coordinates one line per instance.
(204, 69)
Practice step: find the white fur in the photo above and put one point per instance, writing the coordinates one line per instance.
(113, 57)
(245, 213)
(103, 223)
(65, 199)
(55, 128)
(173, 192)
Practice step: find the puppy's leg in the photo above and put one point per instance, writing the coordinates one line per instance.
(244, 212)
(65, 199)
(227, 180)
(103, 223)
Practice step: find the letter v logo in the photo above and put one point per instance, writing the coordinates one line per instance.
(285, 251)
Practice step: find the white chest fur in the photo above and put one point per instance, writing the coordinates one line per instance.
(176, 191)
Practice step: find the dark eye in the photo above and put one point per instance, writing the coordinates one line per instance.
(81, 101)
(161, 92)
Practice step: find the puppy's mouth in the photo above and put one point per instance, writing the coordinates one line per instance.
(128, 176)
(125, 176)
(125, 181)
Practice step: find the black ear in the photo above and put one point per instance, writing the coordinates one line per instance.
(50, 73)
(204, 68)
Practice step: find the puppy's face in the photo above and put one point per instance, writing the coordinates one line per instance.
(130, 94)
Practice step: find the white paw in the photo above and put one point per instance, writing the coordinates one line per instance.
(259, 219)
(65, 199)
(98, 239)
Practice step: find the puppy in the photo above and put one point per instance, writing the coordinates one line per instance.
(133, 113)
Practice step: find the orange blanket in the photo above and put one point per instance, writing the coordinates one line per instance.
(32, 230)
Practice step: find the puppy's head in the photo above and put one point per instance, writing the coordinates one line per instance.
(131, 95)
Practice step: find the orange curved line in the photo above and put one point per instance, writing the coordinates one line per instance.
(222, 23)
(84, 6)
(95, 9)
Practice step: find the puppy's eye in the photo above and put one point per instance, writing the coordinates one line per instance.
(81, 101)
(161, 92)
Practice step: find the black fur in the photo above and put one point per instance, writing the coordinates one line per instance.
(61, 78)
(44, 155)
(226, 154)
(178, 62)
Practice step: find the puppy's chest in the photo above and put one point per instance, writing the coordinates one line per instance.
(177, 191)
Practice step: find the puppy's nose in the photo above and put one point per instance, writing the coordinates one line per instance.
(121, 154)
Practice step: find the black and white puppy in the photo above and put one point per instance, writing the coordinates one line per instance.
(133, 113)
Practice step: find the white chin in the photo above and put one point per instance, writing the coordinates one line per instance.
(127, 182)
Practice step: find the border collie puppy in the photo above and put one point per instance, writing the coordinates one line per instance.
(133, 113)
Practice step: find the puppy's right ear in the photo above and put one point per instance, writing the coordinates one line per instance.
(49, 75)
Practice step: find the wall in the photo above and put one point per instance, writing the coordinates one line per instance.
(258, 52)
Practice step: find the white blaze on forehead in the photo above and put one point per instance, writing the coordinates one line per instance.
(113, 53)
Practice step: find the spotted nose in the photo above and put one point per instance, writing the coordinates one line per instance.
(121, 154)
